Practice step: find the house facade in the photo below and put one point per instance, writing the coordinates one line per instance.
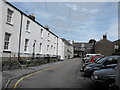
(22, 37)
(104, 46)
(65, 49)
(80, 49)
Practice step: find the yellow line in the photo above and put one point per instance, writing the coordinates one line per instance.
(16, 84)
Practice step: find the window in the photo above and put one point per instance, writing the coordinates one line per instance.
(27, 25)
(7, 41)
(40, 48)
(54, 40)
(112, 60)
(26, 45)
(41, 32)
(47, 48)
(48, 36)
(9, 15)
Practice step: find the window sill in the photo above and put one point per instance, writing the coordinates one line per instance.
(41, 37)
(7, 51)
(28, 31)
(26, 52)
(9, 23)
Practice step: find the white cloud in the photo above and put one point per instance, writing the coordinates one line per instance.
(42, 14)
(93, 11)
(84, 10)
(63, 0)
(112, 32)
(72, 6)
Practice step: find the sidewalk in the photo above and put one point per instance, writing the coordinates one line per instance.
(11, 74)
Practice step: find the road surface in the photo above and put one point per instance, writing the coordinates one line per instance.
(63, 75)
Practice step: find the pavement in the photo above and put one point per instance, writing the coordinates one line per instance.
(9, 75)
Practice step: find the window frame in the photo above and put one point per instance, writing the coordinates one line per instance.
(28, 26)
(40, 47)
(26, 45)
(9, 16)
(7, 41)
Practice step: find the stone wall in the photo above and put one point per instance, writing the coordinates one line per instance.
(9, 63)
(104, 47)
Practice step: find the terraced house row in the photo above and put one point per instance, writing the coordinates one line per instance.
(22, 37)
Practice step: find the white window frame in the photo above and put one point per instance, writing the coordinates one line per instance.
(41, 32)
(7, 41)
(40, 47)
(9, 16)
(28, 26)
(47, 49)
(26, 45)
(48, 36)
(51, 49)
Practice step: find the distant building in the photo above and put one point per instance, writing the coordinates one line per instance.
(65, 49)
(116, 45)
(104, 46)
(80, 49)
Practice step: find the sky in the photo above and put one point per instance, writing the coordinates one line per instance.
(78, 21)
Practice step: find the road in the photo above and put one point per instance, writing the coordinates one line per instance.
(63, 75)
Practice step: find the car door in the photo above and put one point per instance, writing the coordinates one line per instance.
(110, 63)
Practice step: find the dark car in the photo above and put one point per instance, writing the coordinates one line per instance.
(105, 76)
(85, 64)
(107, 62)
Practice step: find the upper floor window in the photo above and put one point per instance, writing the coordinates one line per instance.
(41, 32)
(7, 41)
(54, 40)
(48, 36)
(26, 45)
(47, 48)
(28, 25)
(9, 15)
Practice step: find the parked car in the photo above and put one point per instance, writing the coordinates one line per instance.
(105, 76)
(94, 58)
(85, 64)
(107, 62)
(88, 57)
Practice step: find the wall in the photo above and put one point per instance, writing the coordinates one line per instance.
(61, 48)
(104, 47)
(35, 34)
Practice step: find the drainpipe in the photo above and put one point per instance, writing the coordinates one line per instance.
(20, 38)
(57, 47)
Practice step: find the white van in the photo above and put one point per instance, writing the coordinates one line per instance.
(90, 55)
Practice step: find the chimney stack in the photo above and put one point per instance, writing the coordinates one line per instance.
(47, 27)
(32, 16)
(105, 36)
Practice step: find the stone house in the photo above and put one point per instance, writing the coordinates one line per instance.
(104, 46)
(80, 49)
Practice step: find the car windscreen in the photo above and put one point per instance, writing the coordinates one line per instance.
(98, 59)
(101, 60)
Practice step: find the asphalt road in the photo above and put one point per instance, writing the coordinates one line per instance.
(63, 75)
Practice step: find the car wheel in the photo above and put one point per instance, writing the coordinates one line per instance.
(111, 85)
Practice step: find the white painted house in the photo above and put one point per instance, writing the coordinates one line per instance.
(22, 36)
(10, 21)
(65, 49)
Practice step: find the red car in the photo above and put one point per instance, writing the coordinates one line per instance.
(94, 58)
